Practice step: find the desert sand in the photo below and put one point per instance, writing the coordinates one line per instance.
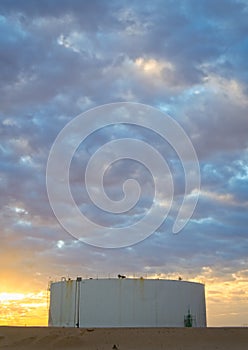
(123, 339)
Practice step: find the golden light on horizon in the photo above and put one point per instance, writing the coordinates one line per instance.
(23, 309)
(5, 298)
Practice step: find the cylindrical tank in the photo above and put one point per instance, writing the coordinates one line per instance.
(125, 302)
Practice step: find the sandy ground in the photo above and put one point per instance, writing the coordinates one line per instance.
(124, 339)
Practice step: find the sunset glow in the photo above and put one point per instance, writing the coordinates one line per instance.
(23, 309)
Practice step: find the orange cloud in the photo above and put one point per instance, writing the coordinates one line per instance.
(23, 309)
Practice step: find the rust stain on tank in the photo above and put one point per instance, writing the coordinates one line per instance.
(69, 288)
(141, 286)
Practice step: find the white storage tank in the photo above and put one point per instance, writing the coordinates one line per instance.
(125, 302)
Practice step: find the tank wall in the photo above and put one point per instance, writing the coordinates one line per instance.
(126, 303)
(62, 304)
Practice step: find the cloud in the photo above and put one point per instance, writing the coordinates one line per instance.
(188, 59)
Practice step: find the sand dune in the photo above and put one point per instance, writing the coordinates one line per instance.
(124, 339)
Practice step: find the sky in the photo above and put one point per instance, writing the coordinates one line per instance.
(185, 58)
